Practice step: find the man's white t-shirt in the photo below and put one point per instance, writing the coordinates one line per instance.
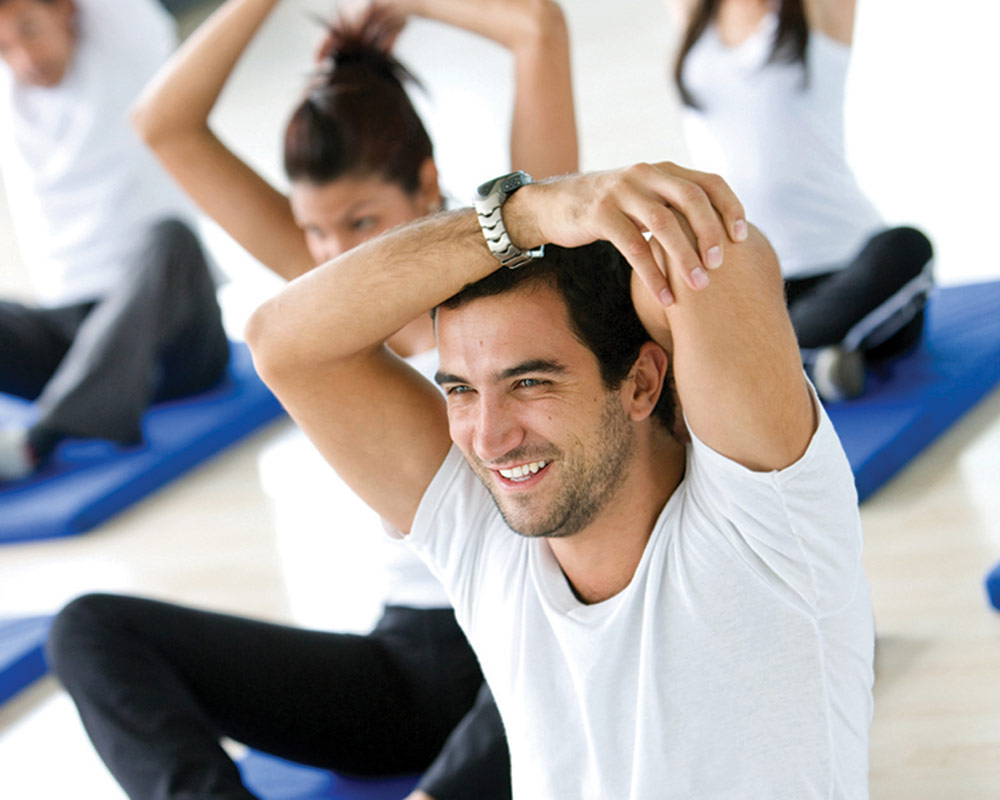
(407, 579)
(736, 664)
(82, 188)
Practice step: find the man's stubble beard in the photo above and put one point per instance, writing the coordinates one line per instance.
(589, 481)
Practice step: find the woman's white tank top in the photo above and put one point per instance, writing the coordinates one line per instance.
(775, 132)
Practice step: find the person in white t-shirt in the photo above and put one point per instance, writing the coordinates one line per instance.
(763, 84)
(408, 696)
(662, 609)
(127, 310)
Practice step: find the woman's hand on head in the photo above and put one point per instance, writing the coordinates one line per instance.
(354, 16)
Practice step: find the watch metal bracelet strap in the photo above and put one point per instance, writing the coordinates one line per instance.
(488, 203)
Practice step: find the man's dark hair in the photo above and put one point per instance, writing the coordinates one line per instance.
(594, 281)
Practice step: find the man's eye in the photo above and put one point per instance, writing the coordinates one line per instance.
(363, 223)
(530, 383)
(458, 390)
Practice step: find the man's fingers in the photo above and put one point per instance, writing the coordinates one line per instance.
(692, 215)
(653, 199)
(622, 232)
(721, 196)
(694, 204)
(678, 249)
(666, 296)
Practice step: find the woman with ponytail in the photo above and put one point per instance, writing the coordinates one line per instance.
(763, 84)
(156, 684)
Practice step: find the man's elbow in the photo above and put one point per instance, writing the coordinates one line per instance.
(262, 335)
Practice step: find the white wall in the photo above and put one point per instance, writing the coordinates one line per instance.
(922, 114)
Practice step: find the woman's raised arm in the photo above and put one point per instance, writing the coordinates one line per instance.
(543, 129)
(835, 18)
(171, 116)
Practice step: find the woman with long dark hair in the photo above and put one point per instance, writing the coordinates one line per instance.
(763, 83)
(157, 684)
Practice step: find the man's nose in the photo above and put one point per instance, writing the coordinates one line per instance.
(338, 243)
(498, 430)
(333, 246)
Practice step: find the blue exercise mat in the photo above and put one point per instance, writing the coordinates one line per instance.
(22, 660)
(992, 582)
(915, 398)
(88, 481)
(272, 778)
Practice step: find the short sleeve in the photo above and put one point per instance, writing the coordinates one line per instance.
(798, 527)
(458, 533)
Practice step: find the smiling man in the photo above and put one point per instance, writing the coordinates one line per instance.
(665, 605)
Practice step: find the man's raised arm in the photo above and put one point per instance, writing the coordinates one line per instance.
(736, 365)
(319, 344)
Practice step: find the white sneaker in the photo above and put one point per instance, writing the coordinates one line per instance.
(16, 460)
(838, 374)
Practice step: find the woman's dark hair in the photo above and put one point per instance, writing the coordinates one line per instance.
(789, 46)
(356, 118)
(595, 282)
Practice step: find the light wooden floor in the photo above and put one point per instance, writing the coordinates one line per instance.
(240, 535)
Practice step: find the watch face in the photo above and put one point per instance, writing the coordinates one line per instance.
(511, 182)
(504, 185)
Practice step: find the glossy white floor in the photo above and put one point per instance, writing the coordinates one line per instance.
(263, 529)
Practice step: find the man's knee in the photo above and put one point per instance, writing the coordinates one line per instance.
(172, 233)
(172, 254)
(170, 271)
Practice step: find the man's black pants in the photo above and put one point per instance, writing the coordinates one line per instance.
(93, 368)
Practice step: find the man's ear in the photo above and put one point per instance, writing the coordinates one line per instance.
(646, 381)
(429, 192)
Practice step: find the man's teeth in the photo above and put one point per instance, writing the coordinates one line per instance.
(523, 471)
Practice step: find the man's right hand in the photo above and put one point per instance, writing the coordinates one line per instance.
(625, 207)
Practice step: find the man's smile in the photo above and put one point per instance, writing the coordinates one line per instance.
(522, 472)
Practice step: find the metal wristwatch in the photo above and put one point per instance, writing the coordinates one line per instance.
(488, 203)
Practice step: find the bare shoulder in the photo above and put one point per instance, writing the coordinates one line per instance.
(681, 11)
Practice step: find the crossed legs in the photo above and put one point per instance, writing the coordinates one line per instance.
(872, 309)
(94, 368)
